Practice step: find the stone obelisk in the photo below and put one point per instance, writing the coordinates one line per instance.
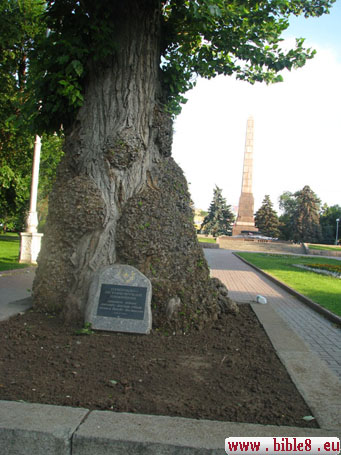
(245, 222)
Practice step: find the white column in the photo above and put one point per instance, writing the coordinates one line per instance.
(31, 240)
(32, 219)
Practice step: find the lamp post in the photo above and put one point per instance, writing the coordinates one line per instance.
(337, 230)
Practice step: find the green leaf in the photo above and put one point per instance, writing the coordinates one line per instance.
(63, 59)
(214, 10)
(78, 67)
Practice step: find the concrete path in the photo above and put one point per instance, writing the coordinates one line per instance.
(244, 284)
(15, 291)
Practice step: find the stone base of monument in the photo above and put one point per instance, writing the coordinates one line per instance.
(29, 247)
(120, 300)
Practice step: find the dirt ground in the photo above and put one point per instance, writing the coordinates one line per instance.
(228, 372)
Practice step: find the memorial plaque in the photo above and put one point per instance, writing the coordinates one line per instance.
(120, 300)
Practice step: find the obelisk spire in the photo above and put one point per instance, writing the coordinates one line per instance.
(248, 157)
(245, 220)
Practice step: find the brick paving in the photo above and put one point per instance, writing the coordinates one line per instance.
(244, 284)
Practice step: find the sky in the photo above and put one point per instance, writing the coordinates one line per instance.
(297, 132)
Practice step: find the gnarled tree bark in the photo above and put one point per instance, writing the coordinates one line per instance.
(114, 181)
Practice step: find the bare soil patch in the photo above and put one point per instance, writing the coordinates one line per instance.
(227, 372)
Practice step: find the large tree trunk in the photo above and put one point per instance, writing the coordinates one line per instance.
(113, 183)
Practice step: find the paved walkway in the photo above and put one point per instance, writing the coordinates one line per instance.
(244, 284)
(15, 291)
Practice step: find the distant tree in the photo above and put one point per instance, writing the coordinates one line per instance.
(220, 217)
(15, 179)
(300, 220)
(328, 218)
(266, 219)
(306, 216)
(287, 206)
(287, 202)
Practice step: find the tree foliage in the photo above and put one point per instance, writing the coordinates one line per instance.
(266, 219)
(21, 25)
(328, 218)
(287, 206)
(306, 219)
(198, 38)
(301, 217)
(220, 217)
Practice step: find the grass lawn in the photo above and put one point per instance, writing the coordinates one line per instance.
(206, 240)
(322, 289)
(9, 252)
(324, 247)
